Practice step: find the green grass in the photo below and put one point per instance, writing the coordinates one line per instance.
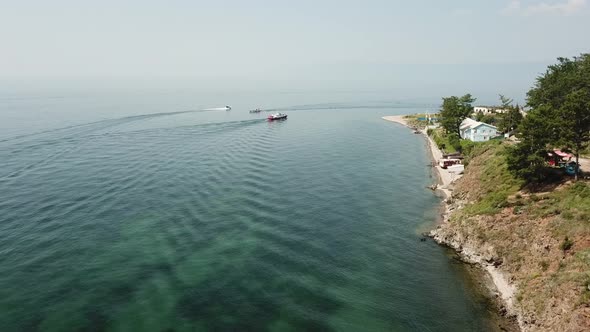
(559, 215)
(442, 141)
(414, 122)
(571, 206)
(495, 179)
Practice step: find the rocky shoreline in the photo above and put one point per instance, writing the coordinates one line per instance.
(468, 250)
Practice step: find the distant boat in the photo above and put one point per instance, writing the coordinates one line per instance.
(258, 110)
(277, 116)
(227, 108)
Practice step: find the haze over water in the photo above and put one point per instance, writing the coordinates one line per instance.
(124, 212)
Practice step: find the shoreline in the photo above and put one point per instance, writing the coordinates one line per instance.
(500, 287)
(444, 178)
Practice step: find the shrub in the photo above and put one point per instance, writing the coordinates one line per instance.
(583, 216)
(518, 202)
(544, 265)
(455, 141)
(567, 215)
(567, 244)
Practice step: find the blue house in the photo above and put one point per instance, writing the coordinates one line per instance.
(477, 131)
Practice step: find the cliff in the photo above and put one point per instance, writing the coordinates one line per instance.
(535, 245)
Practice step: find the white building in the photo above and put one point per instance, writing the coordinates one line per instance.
(482, 109)
(489, 110)
(477, 131)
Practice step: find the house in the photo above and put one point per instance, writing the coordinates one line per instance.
(483, 109)
(488, 110)
(477, 131)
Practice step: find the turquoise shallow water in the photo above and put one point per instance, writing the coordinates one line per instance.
(225, 222)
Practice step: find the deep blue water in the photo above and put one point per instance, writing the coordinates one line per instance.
(129, 213)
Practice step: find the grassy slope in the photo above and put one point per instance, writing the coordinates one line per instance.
(442, 140)
(527, 231)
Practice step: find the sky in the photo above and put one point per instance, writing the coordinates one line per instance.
(348, 44)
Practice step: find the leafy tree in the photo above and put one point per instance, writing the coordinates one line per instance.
(454, 110)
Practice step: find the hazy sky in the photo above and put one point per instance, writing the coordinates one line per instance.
(284, 40)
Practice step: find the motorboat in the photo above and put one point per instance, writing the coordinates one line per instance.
(228, 108)
(258, 110)
(277, 116)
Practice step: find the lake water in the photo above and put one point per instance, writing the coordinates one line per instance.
(123, 212)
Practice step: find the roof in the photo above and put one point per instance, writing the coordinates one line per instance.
(491, 107)
(485, 124)
(469, 123)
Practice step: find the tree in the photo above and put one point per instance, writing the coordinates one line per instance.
(560, 116)
(455, 141)
(564, 92)
(489, 119)
(511, 118)
(527, 159)
(454, 110)
(576, 115)
(479, 116)
(506, 102)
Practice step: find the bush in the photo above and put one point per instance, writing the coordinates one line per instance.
(567, 244)
(583, 216)
(544, 265)
(467, 146)
(454, 141)
(518, 202)
(567, 215)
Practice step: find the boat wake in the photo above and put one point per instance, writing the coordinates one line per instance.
(225, 108)
(45, 147)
